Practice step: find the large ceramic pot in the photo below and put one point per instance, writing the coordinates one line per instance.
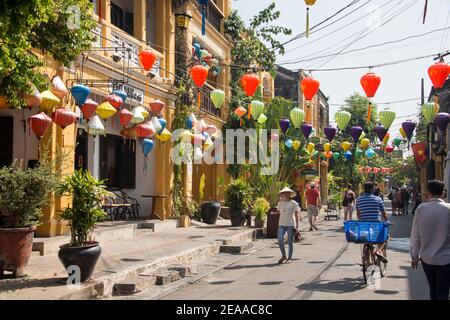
(210, 212)
(259, 224)
(84, 257)
(15, 249)
(225, 213)
(238, 218)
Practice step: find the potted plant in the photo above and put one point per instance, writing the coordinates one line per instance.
(260, 207)
(210, 210)
(238, 196)
(87, 195)
(23, 195)
(191, 209)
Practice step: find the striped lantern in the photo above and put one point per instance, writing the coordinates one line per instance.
(95, 126)
(218, 98)
(59, 89)
(342, 119)
(49, 101)
(387, 117)
(105, 110)
(429, 111)
(138, 117)
(257, 108)
(88, 108)
(144, 111)
(297, 117)
(262, 118)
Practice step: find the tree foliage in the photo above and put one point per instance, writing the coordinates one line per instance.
(50, 26)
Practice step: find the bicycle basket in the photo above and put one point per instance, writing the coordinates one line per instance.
(366, 231)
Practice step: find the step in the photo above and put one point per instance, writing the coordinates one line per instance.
(236, 248)
(133, 285)
(247, 235)
(158, 225)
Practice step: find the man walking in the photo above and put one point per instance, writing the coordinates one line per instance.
(313, 203)
(348, 202)
(430, 241)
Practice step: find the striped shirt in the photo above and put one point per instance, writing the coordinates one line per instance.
(370, 207)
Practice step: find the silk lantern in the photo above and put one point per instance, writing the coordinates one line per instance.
(217, 98)
(441, 120)
(32, 99)
(386, 138)
(397, 141)
(59, 89)
(402, 132)
(199, 74)
(387, 117)
(257, 108)
(49, 101)
(147, 58)
(327, 147)
(297, 117)
(189, 123)
(370, 153)
(328, 154)
(370, 83)
(121, 93)
(138, 117)
(262, 118)
(438, 74)
(250, 83)
(429, 111)
(355, 132)
(186, 136)
(147, 146)
(346, 146)
(330, 132)
(63, 117)
(163, 124)
(296, 145)
(284, 124)
(145, 130)
(380, 131)
(309, 87)
(80, 92)
(342, 119)
(409, 127)
(95, 126)
(39, 123)
(348, 155)
(204, 4)
(288, 143)
(376, 170)
(336, 156)
(389, 149)
(88, 108)
(310, 147)
(105, 110)
(306, 130)
(156, 124)
(358, 153)
(364, 144)
(143, 111)
(125, 117)
(156, 106)
(114, 100)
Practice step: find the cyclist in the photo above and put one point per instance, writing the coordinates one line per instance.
(371, 208)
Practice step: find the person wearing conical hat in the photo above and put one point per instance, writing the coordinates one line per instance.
(288, 223)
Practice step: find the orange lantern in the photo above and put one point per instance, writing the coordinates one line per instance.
(114, 100)
(147, 58)
(240, 111)
(309, 87)
(370, 83)
(156, 106)
(145, 130)
(250, 83)
(438, 74)
(125, 117)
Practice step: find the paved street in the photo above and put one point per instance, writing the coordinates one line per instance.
(324, 267)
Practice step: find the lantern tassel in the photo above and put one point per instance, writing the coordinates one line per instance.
(369, 112)
(203, 20)
(307, 22)
(199, 100)
(249, 110)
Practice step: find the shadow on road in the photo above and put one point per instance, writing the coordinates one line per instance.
(345, 285)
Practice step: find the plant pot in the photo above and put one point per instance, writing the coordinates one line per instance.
(210, 212)
(225, 213)
(84, 257)
(259, 224)
(238, 218)
(185, 221)
(15, 249)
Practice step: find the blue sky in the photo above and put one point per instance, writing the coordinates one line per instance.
(401, 81)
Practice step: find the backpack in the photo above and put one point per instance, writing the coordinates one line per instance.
(348, 198)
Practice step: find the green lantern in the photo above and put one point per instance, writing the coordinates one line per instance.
(217, 98)
(387, 117)
(257, 108)
(262, 118)
(315, 154)
(336, 155)
(204, 53)
(358, 153)
(397, 141)
(342, 119)
(429, 111)
(297, 117)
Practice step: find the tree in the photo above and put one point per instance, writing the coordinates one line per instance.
(60, 28)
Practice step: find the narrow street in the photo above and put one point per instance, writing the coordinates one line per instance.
(324, 267)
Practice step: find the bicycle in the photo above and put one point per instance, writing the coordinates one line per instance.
(371, 262)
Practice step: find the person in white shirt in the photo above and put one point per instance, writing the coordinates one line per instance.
(430, 241)
(288, 210)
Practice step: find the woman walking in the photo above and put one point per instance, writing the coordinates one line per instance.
(288, 210)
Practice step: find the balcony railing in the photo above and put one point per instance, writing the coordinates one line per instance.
(213, 15)
(206, 103)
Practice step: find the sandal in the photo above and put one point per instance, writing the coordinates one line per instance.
(288, 261)
(282, 260)
(381, 257)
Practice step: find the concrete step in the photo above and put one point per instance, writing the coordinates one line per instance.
(158, 225)
(236, 248)
(134, 285)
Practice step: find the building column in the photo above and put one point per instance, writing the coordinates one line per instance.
(139, 21)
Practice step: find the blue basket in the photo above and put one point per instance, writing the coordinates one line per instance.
(366, 231)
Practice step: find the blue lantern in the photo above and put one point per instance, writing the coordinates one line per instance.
(370, 153)
(289, 143)
(147, 146)
(189, 123)
(348, 155)
(121, 93)
(80, 92)
(163, 124)
(204, 4)
(197, 50)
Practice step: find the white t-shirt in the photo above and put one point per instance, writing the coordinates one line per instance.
(287, 211)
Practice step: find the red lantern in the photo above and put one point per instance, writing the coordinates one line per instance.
(438, 74)
(250, 83)
(389, 149)
(240, 111)
(114, 100)
(145, 130)
(199, 74)
(370, 83)
(156, 106)
(63, 117)
(39, 123)
(125, 117)
(88, 108)
(376, 170)
(148, 58)
(368, 169)
(309, 86)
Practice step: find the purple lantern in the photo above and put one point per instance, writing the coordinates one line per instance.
(356, 133)
(284, 124)
(409, 126)
(442, 120)
(306, 129)
(381, 131)
(330, 132)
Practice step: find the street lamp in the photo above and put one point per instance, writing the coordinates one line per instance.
(183, 19)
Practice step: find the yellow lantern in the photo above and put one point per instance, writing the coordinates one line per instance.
(403, 133)
(346, 146)
(363, 134)
(364, 143)
(327, 147)
(105, 110)
(310, 147)
(296, 145)
(164, 136)
(49, 101)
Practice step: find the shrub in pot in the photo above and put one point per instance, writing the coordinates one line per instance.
(23, 195)
(238, 196)
(260, 207)
(87, 194)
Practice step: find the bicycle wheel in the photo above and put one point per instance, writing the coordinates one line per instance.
(382, 265)
(365, 257)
